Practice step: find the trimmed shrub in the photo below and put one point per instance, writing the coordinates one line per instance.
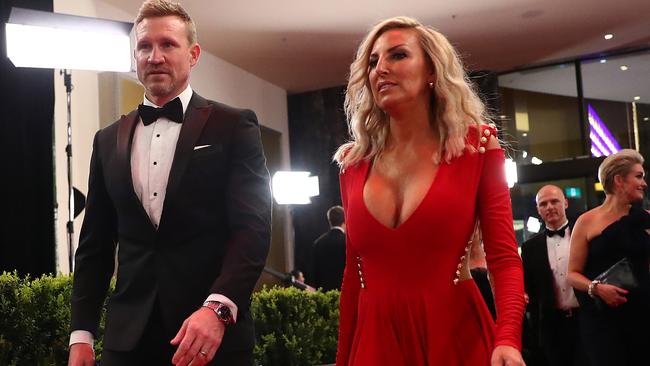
(35, 320)
(293, 327)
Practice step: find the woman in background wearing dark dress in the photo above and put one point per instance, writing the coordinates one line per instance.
(615, 322)
(422, 167)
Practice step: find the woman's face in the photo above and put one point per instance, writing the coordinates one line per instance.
(398, 70)
(633, 184)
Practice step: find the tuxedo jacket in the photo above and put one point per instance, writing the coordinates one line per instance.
(213, 235)
(329, 260)
(539, 284)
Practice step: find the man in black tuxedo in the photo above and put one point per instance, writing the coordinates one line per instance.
(329, 252)
(184, 190)
(552, 306)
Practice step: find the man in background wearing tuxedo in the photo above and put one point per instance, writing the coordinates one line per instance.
(553, 307)
(329, 252)
(181, 184)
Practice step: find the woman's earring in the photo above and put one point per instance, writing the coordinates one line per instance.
(430, 84)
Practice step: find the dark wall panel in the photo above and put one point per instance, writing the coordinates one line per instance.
(27, 241)
(317, 128)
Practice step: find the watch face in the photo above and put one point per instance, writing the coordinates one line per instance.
(224, 313)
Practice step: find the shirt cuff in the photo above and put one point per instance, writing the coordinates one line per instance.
(81, 336)
(226, 301)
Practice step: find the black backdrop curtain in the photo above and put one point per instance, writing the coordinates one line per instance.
(27, 241)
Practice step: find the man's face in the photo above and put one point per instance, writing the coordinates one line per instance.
(551, 206)
(164, 57)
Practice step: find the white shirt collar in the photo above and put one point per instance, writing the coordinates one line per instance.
(184, 96)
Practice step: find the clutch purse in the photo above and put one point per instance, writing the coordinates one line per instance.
(619, 275)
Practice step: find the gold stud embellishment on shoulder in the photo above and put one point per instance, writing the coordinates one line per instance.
(481, 150)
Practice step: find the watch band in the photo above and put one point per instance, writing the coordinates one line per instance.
(221, 310)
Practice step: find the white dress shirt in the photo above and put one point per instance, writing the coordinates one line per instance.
(152, 155)
(558, 258)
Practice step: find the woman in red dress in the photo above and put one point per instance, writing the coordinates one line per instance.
(421, 169)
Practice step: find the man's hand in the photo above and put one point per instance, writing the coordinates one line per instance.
(198, 339)
(507, 356)
(81, 354)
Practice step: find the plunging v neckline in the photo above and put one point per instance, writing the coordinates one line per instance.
(366, 174)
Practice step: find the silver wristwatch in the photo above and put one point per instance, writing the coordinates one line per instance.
(221, 310)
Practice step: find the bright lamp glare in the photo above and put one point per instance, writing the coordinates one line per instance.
(511, 172)
(294, 187)
(533, 225)
(57, 48)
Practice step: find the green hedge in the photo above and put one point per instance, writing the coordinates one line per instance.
(293, 327)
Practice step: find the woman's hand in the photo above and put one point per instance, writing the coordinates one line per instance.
(612, 296)
(507, 356)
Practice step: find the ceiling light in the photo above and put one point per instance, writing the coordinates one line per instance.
(603, 61)
(646, 119)
(503, 116)
(524, 134)
(535, 160)
(609, 36)
(624, 68)
(637, 98)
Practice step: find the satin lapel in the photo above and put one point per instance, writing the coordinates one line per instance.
(125, 134)
(546, 271)
(196, 115)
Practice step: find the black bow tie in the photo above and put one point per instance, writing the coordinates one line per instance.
(560, 231)
(172, 111)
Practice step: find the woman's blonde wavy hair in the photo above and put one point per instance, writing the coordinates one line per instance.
(455, 103)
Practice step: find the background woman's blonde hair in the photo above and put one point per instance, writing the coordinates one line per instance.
(620, 163)
(455, 103)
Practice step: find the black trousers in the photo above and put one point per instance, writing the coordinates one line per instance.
(154, 349)
(561, 340)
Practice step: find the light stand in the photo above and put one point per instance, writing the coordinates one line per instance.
(67, 81)
(70, 42)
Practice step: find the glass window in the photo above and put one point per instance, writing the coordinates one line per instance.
(540, 114)
(617, 103)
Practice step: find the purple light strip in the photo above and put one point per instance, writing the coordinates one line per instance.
(600, 134)
(595, 152)
(602, 130)
(600, 144)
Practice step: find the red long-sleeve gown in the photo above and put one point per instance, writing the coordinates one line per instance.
(400, 305)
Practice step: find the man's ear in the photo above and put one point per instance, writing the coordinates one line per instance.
(195, 52)
(566, 203)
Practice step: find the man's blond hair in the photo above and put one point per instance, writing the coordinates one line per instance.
(163, 8)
